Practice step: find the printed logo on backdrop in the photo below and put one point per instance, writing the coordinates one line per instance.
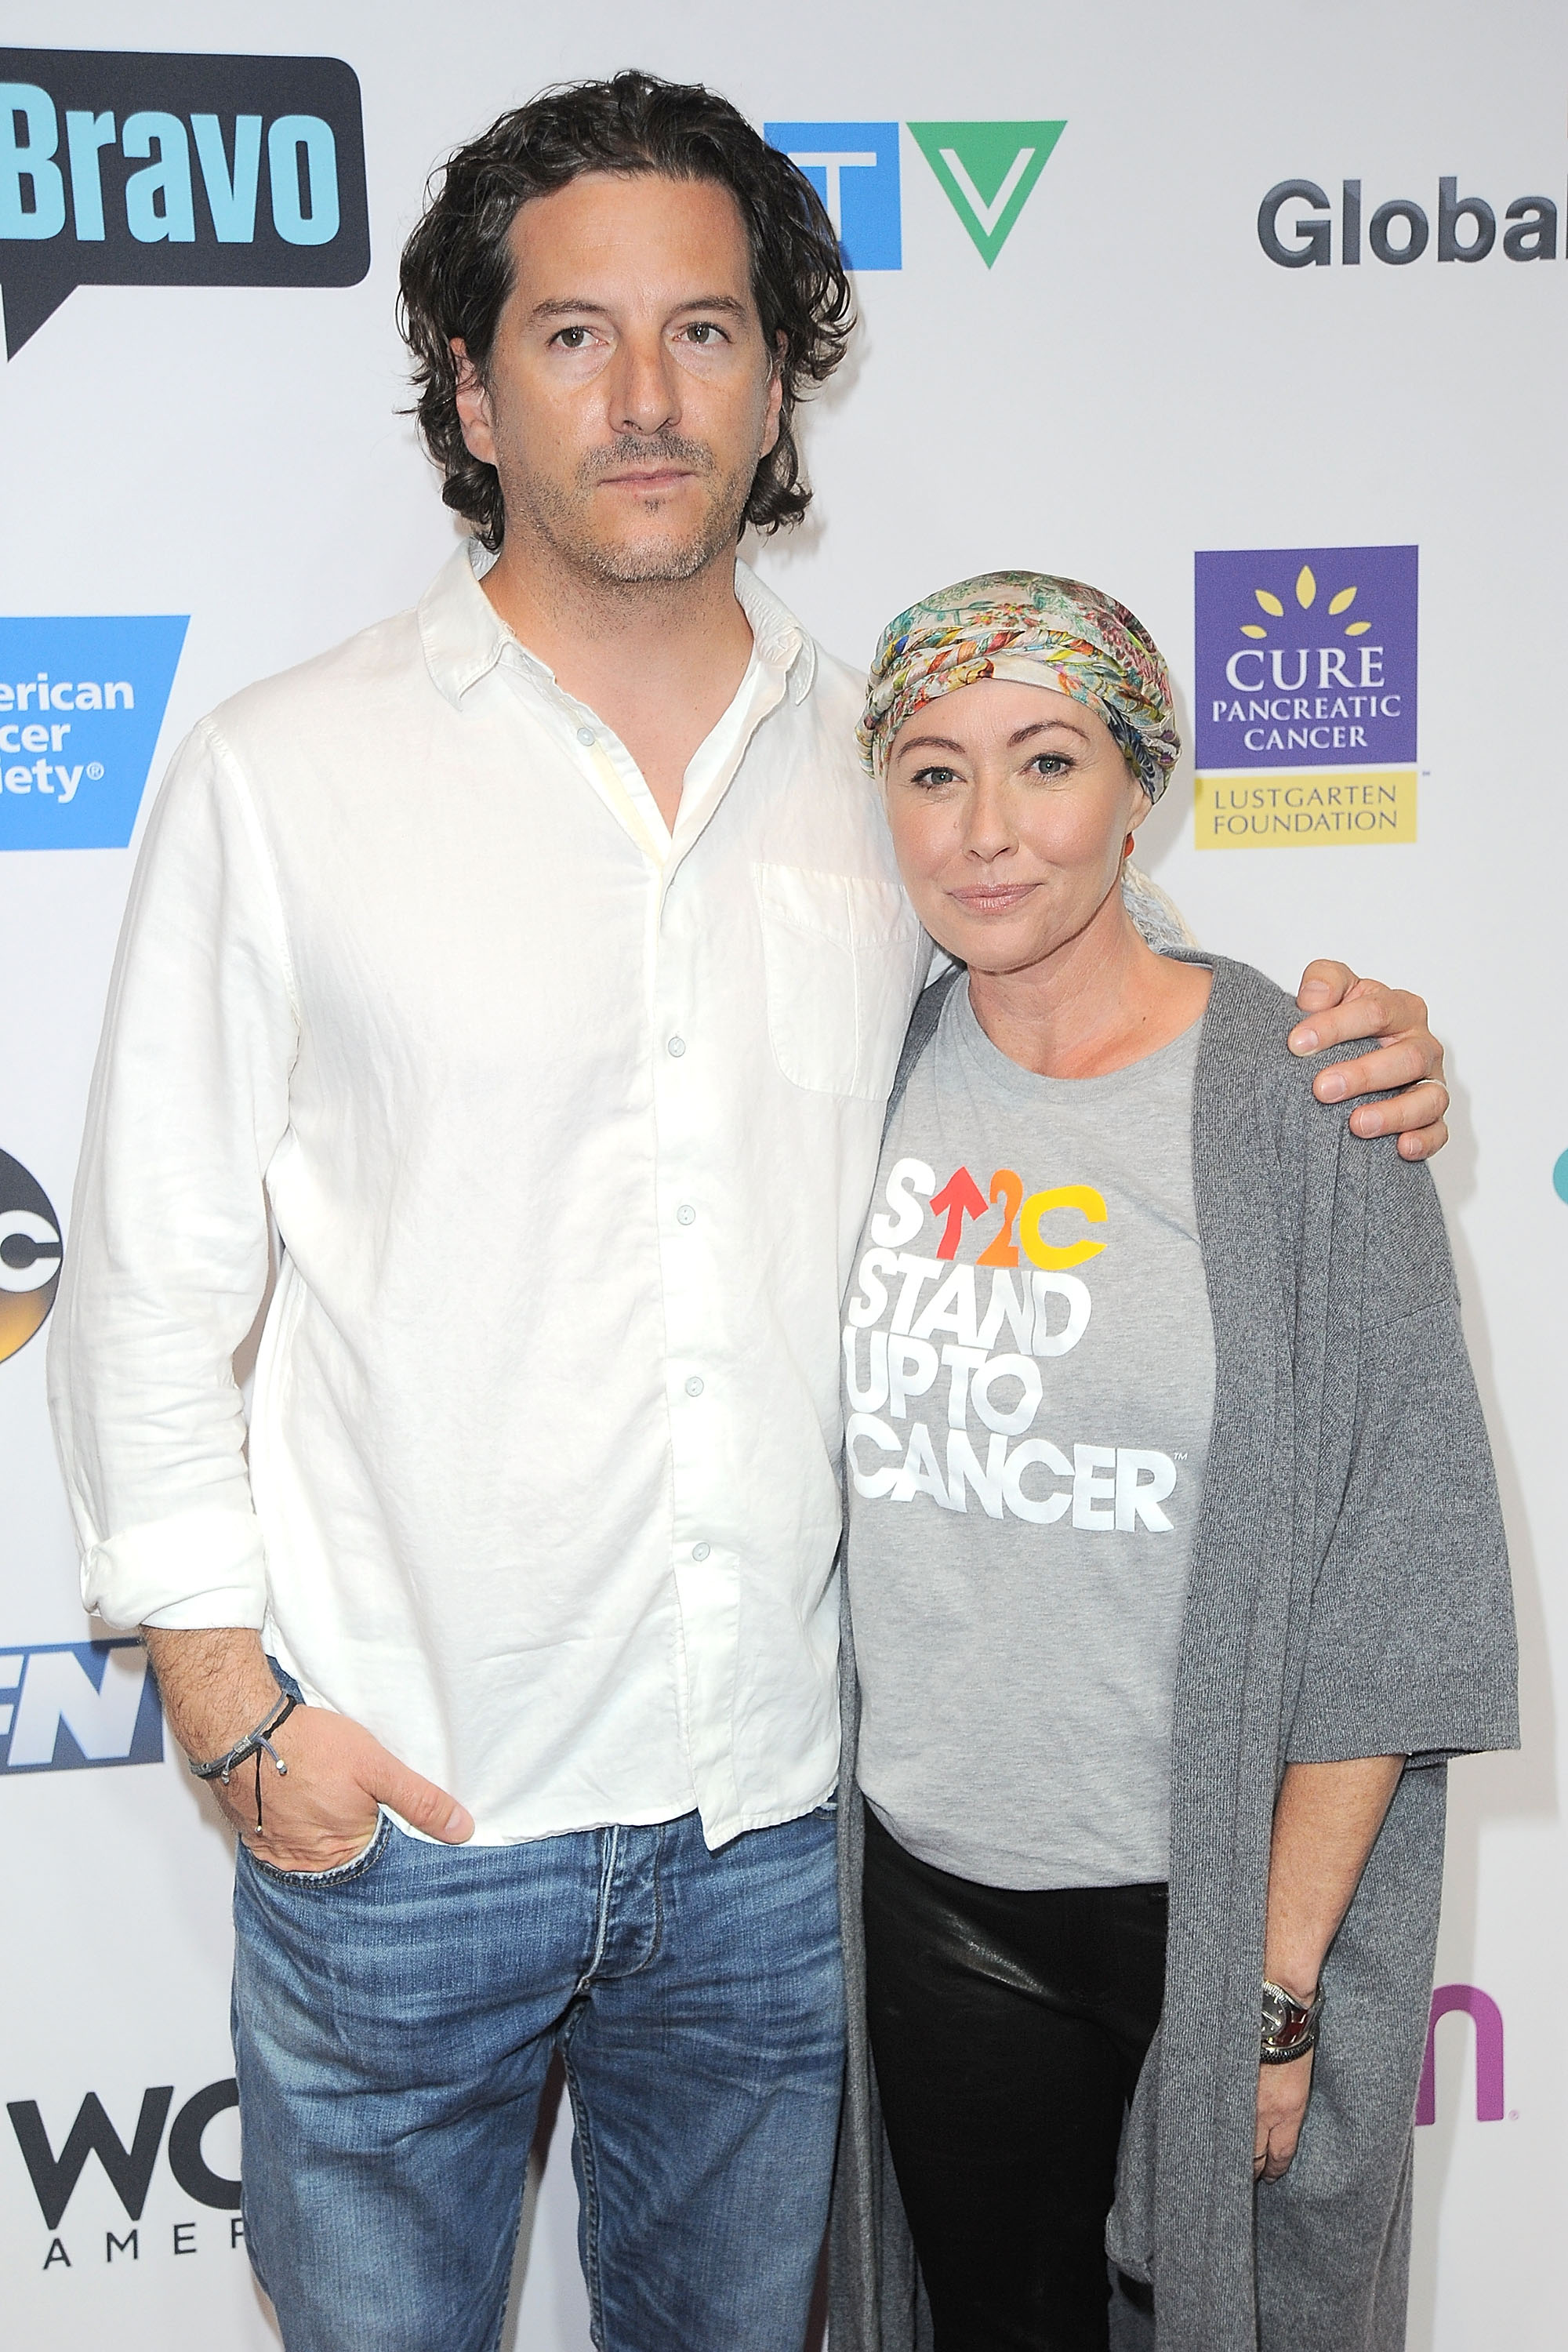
(130, 2165)
(81, 702)
(1305, 697)
(29, 1256)
(1296, 226)
(122, 167)
(1467, 2000)
(987, 171)
(76, 1707)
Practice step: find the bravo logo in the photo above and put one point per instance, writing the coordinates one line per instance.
(71, 1706)
(1305, 696)
(81, 702)
(29, 1256)
(987, 171)
(127, 168)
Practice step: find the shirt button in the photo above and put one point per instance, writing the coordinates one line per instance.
(585, 735)
(694, 1386)
(677, 1046)
(700, 1550)
(686, 1214)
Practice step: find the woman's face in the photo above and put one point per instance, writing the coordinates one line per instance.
(1009, 806)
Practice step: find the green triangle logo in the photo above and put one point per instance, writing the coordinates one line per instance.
(988, 170)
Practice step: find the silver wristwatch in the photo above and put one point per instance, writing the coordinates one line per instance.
(1289, 2026)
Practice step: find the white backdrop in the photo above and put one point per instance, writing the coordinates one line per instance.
(1132, 380)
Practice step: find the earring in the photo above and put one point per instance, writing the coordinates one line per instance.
(1127, 846)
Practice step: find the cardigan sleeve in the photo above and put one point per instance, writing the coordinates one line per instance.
(1410, 1644)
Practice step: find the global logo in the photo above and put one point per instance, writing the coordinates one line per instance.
(70, 1707)
(1296, 226)
(987, 171)
(81, 702)
(131, 168)
(29, 1256)
(1306, 700)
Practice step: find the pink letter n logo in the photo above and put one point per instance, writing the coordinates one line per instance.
(1488, 2017)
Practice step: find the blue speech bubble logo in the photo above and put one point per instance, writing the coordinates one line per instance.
(136, 168)
(81, 702)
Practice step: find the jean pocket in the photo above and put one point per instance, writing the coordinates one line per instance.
(317, 1881)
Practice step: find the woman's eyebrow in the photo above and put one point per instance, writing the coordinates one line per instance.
(1021, 735)
(928, 744)
(1044, 727)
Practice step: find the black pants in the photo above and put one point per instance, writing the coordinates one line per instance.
(1008, 2030)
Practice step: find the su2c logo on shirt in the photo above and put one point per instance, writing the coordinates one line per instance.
(29, 1256)
(1044, 1311)
(128, 168)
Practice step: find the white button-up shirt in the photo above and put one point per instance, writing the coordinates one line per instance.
(560, 1128)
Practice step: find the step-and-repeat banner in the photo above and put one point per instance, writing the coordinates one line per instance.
(1255, 316)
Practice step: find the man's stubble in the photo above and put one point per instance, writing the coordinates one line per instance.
(560, 515)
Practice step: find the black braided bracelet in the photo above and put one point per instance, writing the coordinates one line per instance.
(252, 1745)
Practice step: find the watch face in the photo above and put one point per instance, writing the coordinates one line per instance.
(1285, 2019)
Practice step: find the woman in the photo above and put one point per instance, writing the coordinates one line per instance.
(1176, 1567)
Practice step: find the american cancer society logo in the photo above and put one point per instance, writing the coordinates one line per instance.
(81, 702)
(1305, 696)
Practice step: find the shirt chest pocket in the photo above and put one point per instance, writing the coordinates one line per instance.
(844, 957)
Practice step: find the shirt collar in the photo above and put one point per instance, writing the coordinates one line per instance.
(777, 635)
(464, 637)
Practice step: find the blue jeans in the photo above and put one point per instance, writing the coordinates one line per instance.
(393, 2022)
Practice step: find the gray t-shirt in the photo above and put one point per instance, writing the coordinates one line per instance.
(1029, 1368)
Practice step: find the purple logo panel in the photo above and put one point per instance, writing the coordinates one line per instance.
(1488, 2017)
(1305, 657)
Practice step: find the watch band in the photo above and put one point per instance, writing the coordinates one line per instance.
(1289, 2026)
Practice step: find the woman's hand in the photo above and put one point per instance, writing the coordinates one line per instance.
(1325, 1823)
(1406, 1056)
(1281, 2104)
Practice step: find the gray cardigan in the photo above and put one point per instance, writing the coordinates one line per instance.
(1349, 1597)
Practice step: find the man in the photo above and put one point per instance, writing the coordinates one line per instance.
(535, 968)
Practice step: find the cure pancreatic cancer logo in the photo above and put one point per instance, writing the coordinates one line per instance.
(1305, 696)
(29, 1256)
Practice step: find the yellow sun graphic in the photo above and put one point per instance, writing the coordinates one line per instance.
(1306, 593)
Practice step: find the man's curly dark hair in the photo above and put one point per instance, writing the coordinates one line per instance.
(458, 265)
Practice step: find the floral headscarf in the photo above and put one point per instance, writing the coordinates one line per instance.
(1012, 625)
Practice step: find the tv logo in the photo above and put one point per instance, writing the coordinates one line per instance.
(81, 702)
(854, 167)
(69, 1706)
(1305, 697)
(29, 1256)
(987, 171)
(131, 168)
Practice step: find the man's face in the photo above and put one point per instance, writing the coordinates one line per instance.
(630, 393)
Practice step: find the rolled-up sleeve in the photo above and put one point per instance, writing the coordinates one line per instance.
(167, 1247)
(1411, 1647)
